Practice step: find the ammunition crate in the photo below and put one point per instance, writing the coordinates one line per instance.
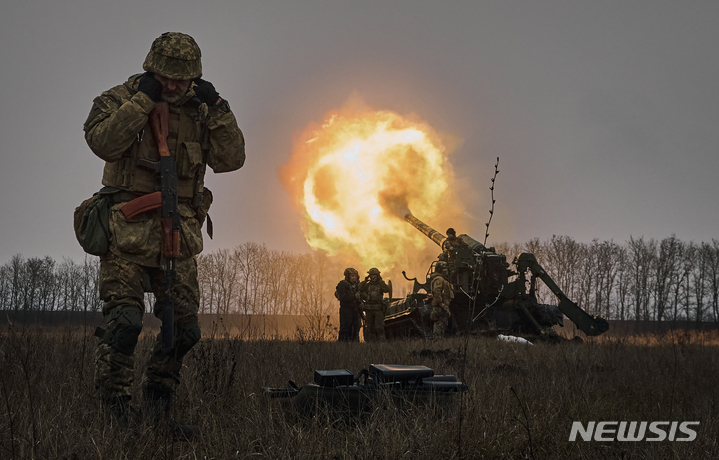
(391, 373)
(334, 378)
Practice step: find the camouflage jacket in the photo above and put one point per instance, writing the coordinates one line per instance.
(117, 131)
(450, 245)
(347, 294)
(442, 292)
(372, 293)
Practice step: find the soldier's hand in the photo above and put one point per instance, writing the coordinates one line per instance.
(206, 92)
(150, 86)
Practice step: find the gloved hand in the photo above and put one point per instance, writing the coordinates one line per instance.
(206, 92)
(150, 86)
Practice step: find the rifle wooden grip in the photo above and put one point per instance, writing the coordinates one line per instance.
(158, 124)
(170, 239)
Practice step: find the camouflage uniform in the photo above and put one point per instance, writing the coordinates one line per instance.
(449, 254)
(442, 295)
(350, 312)
(371, 294)
(117, 131)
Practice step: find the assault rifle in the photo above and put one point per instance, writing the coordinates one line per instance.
(170, 221)
(166, 200)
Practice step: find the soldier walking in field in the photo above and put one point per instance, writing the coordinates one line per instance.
(350, 311)
(442, 295)
(371, 293)
(201, 131)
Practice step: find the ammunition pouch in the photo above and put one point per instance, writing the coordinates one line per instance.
(92, 222)
(189, 160)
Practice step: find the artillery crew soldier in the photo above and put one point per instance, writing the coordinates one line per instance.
(450, 244)
(201, 132)
(442, 295)
(350, 311)
(371, 293)
(449, 252)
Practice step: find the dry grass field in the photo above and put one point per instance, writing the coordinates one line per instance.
(521, 400)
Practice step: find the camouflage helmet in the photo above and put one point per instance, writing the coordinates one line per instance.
(350, 271)
(440, 267)
(451, 231)
(174, 55)
(373, 271)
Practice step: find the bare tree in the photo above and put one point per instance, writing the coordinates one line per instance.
(563, 256)
(69, 280)
(227, 283)
(46, 285)
(699, 277)
(249, 257)
(624, 283)
(89, 295)
(607, 260)
(684, 282)
(16, 275)
(712, 259)
(5, 287)
(641, 258)
(666, 269)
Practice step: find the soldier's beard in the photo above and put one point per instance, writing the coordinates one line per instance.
(173, 100)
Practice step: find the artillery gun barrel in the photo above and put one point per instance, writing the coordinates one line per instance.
(438, 238)
(473, 244)
(431, 233)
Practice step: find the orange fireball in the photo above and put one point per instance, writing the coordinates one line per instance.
(356, 176)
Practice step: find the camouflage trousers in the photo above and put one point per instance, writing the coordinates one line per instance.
(374, 323)
(440, 318)
(122, 288)
(350, 324)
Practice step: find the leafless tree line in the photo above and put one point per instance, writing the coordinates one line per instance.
(252, 279)
(249, 279)
(41, 284)
(642, 279)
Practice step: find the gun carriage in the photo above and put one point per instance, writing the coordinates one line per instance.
(489, 294)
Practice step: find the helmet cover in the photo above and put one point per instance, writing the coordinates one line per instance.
(174, 55)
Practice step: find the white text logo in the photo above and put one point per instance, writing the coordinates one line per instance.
(634, 431)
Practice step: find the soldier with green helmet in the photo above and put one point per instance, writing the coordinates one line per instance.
(449, 253)
(202, 131)
(442, 295)
(350, 311)
(371, 294)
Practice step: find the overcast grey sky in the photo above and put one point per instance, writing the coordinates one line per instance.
(605, 114)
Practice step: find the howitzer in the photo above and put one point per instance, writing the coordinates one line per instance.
(169, 220)
(485, 297)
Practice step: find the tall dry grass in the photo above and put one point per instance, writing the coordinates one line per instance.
(520, 403)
